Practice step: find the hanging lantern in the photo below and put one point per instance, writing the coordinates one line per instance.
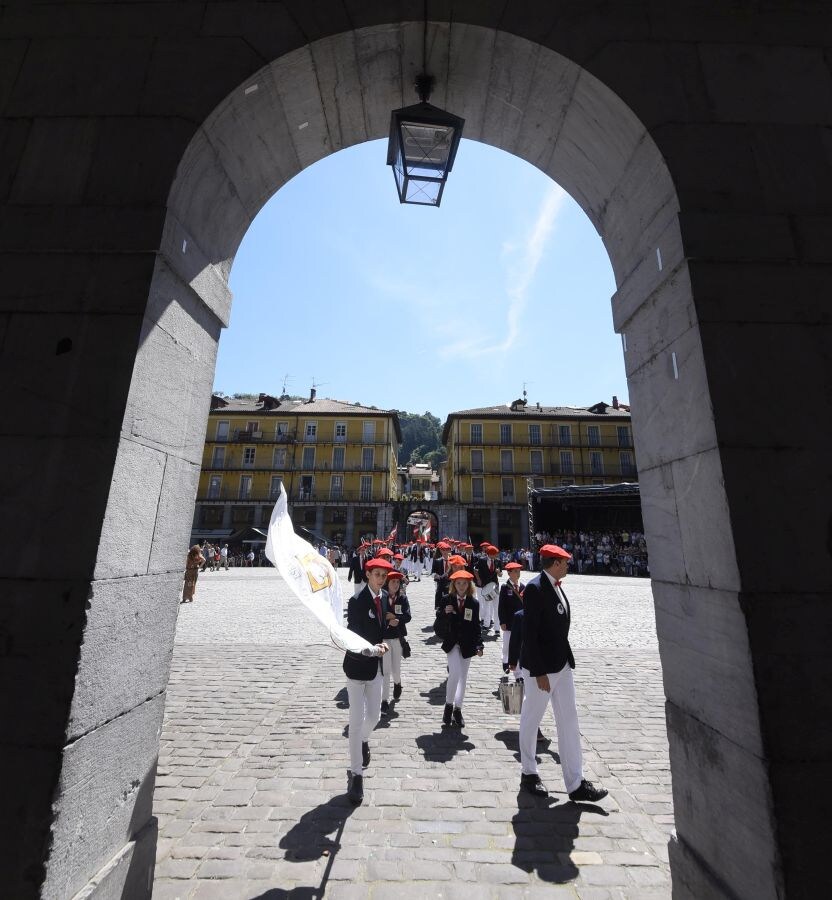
(422, 148)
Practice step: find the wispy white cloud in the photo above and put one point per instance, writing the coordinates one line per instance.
(522, 259)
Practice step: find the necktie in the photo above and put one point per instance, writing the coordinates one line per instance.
(557, 584)
(461, 605)
(377, 601)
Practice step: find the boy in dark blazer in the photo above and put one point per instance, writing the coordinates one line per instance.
(366, 616)
(462, 613)
(547, 657)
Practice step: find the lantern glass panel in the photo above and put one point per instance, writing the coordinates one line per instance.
(426, 148)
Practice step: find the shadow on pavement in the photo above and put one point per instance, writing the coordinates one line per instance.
(342, 699)
(511, 739)
(443, 746)
(544, 835)
(436, 695)
(309, 837)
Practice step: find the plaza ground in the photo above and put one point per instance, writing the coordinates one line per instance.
(250, 792)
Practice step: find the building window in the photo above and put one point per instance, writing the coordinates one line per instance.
(252, 427)
(281, 431)
(478, 489)
(245, 487)
(508, 490)
(218, 458)
(309, 517)
(476, 434)
(308, 460)
(367, 454)
(476, 460)
(336, 487)
(211, 516)
(307, 485)
(222, 431)
(626, 460)
(340, 431)
(274, 487)
(243, 515)
(214, 487)
(593, 435)
(596, 462)
(536, 459)
(369, 432)
(565, 435)
(279, 458)
(537, 483)
(366, 487)
(534, 434)
(248, 457)
(337, 457)
(505, 434)
(506, 461)
(566, 462)
(311, 432)
(625, 439)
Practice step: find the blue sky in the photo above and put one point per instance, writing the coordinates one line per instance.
(421, 308)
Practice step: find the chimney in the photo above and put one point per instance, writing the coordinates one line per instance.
(312, 393)
(614, 402)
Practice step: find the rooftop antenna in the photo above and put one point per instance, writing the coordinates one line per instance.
(286, 380)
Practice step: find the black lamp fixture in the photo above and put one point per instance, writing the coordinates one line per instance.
(423, 143)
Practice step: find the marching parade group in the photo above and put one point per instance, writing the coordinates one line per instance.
(532, 619)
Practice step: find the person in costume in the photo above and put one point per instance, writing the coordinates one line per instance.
(440, 570)
(461, 613)
(366, 616)
(397, 616)
(511, 600)
(547, 656)
(487, 574)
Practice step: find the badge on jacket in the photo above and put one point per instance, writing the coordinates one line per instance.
(560, 608)
(371, 613)
(469, 614)
(398, 609)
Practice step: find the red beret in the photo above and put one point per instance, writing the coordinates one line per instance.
(384, 552)
(456, 560)
(397, 556)
(377, 564)
(491, 550)
(485, 544)
(395, 574)
(443, 546)
(512, 565)
(550, 551)
(463, 573)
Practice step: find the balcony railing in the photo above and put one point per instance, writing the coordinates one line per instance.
(583, 441)
(316, 495)
(233, 465)
(264, 437)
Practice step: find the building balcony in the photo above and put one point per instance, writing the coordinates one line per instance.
(263, 437)
(232, 465)
(604, 442)
(316, 495)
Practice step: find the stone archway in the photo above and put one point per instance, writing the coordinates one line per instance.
(702, 260)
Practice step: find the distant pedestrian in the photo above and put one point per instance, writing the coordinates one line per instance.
(193, 561)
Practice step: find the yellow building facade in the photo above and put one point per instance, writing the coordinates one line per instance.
(337, 462)
(495, 453)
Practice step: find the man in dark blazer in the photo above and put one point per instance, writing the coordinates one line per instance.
(441, 570)
(487, 573)
(355, 571)
(547, 657)
(366, 616)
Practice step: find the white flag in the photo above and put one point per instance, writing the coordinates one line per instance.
(310, 576)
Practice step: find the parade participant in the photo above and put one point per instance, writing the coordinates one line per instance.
(548, 658)
(462, 641)
(440, 570)
(366, 616)
(511, 599)
(488, 579)
(399, 565)
(355, 572)
(397, 616)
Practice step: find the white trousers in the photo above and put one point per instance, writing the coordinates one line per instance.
(365, 711)
(457, 677)
(506, 638)
(561, 695)
(392, 663)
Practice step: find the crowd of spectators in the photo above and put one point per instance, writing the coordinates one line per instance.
(602, 552)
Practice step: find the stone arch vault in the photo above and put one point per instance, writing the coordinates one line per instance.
(138, 142)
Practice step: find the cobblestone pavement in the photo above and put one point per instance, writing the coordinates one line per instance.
(252, 768)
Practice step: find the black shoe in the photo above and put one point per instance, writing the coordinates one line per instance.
(365, 754)
(586, 790)
(506, 669)
(458, 720)
(533, 785)
(397, 691)
(355, 788)
(385, 707)
(446, 716)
